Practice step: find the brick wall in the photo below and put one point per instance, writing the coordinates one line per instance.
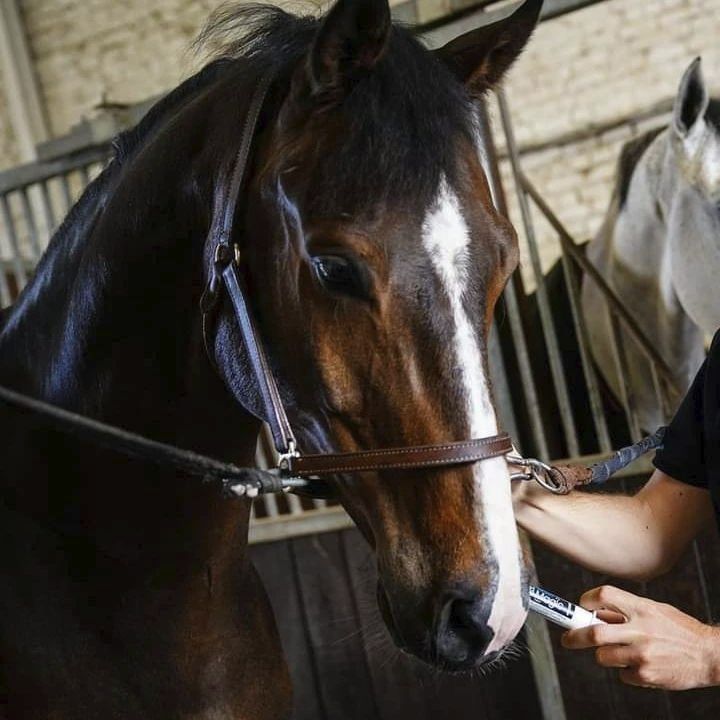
(127, 51)
(600, 66)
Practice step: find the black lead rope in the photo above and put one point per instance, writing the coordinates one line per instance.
(603, 471)
(238, 480)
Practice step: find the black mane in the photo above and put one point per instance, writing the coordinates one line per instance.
(256, 31)
(401, 120)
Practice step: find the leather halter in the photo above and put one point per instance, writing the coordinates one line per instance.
(226, 271)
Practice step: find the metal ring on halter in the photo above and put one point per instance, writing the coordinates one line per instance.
(537, 470)
(543, 477)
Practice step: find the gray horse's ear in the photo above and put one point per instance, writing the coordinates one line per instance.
(481, 57)
(350, 41)
(692, 99)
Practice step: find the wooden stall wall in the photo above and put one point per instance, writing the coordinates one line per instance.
(343, 663)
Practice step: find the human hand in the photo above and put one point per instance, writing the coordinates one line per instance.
(653, 644)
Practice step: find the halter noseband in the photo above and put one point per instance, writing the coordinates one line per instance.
(226, 271)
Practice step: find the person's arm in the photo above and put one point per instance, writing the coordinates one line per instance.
(636, 537)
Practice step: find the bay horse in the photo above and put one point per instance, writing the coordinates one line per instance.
(373, 258)
(659, 248)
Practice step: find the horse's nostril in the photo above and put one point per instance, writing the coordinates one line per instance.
(462, 615)
(463, 633)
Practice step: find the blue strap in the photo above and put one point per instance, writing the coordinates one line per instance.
(603, 471)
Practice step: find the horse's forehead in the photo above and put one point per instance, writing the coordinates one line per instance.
(446, 228)
(445, 231)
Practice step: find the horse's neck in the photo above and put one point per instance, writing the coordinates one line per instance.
(638, 258)
(669, 230)
(112, 322)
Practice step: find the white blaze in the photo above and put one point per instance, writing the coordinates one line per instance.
(446, 238)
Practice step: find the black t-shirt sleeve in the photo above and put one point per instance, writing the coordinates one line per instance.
(683, 453)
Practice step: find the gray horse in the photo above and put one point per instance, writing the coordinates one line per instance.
(659, 248)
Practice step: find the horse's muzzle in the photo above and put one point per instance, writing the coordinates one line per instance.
(454, 638)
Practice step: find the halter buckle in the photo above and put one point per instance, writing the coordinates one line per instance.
(284, 465)
(223, 255)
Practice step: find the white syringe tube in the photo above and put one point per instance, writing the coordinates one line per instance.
(561, 612)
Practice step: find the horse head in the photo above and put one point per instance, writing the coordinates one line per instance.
(374, 258)
(692, 206)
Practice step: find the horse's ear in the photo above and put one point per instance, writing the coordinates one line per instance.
(692, 99)
(481, 57)
(351, 40)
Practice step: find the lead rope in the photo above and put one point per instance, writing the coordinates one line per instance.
(562, 479)
(236, 480)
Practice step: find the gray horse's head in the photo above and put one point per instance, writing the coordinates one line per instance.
(693, 215)
(696, 136)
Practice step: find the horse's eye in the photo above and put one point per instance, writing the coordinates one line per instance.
(338, 274)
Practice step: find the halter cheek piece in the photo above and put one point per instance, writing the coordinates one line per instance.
(226, 272)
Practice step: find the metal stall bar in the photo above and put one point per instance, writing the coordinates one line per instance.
(5, 295)
(271, 505)
(84, 175)
(660, 395)
(548, 327)
(30, 224)
(589, 372)
(67, 192)
(623, 374)
(21, 275)
(487, 146)
(47, 207)
(33, 173)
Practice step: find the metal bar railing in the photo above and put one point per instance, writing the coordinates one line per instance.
(30, 224)
(623, 374)
(589, 371)
(50, 221)
(5, 294)
(38, 172)
(21, 274)
(546, 320)
(532, 403)
(67, 192)
(84, 175)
